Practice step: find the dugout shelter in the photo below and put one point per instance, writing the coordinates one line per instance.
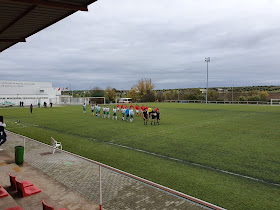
(20, 19)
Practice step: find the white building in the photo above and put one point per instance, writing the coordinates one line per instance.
(203, 90)
(28, 92)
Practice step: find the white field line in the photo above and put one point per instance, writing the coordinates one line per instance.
(195, 164)
(22, 124)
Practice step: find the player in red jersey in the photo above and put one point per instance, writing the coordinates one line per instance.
(131, 106)
(142, 108)
(122, 106)
(137, 110)
(156, 109)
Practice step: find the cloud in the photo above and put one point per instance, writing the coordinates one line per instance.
(117, 44)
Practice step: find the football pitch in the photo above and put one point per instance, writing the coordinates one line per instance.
(228, 155)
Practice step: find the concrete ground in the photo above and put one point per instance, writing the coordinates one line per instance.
(53, 192)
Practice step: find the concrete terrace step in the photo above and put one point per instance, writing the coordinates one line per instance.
(53, 192)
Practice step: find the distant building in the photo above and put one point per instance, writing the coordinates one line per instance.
(28, 92)
(203, 90)
(221, 90)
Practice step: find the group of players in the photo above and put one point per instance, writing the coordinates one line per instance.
(127, 112)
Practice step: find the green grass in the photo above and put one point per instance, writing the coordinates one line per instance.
(237, 138)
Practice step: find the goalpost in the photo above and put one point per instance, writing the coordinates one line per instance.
(275, 102)
(95, 100)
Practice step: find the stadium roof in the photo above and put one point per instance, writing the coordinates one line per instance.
(20, 19)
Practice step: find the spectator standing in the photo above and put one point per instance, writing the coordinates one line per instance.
(3, 135)
(31, 108)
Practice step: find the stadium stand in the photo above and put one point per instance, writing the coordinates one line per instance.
(27, 191)
(15, 208)
(47, 207)
(3, 192)
(13, 179)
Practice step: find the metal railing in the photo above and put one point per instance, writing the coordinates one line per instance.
(119, 189)
(219, 102)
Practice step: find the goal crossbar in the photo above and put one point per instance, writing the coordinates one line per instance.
(275, 102)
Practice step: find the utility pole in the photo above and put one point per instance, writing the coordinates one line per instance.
(72, 93)
(207, 60)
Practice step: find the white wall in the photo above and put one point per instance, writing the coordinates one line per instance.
(28, 92)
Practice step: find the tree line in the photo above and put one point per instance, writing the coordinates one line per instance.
(144, 91)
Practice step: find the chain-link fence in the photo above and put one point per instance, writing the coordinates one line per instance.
(102, 184)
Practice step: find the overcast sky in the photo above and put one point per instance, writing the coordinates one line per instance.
(119, 42)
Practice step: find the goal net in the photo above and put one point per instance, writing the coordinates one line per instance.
(95, 100)
(275, 102)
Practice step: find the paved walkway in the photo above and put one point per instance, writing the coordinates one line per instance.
(76, 175)
(53, 192)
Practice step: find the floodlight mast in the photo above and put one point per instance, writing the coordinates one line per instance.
(207, 60)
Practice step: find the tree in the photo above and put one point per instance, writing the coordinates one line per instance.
(160, 96)
(96, 92)
(264, 95)
(133, 93)
(167, 95)
(110, 93)
(212, 95)
(174, 95)
(145, 90)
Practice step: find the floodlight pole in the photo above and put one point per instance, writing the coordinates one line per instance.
(207, 60)
(232, 94)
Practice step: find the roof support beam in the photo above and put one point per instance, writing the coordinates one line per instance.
(12, 40)
(53, 4)
(17, 19)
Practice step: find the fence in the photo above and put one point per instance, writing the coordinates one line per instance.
(219, 102)
(103, 184)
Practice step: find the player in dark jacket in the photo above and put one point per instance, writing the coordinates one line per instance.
(145, 116)
(158, 113)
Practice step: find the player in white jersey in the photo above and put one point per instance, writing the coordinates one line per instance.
(131, 114)
(96, 109)
(108, 112)
(92, 110)
(123, 113)
(114, 113)
(84, 108)
(104, 111)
